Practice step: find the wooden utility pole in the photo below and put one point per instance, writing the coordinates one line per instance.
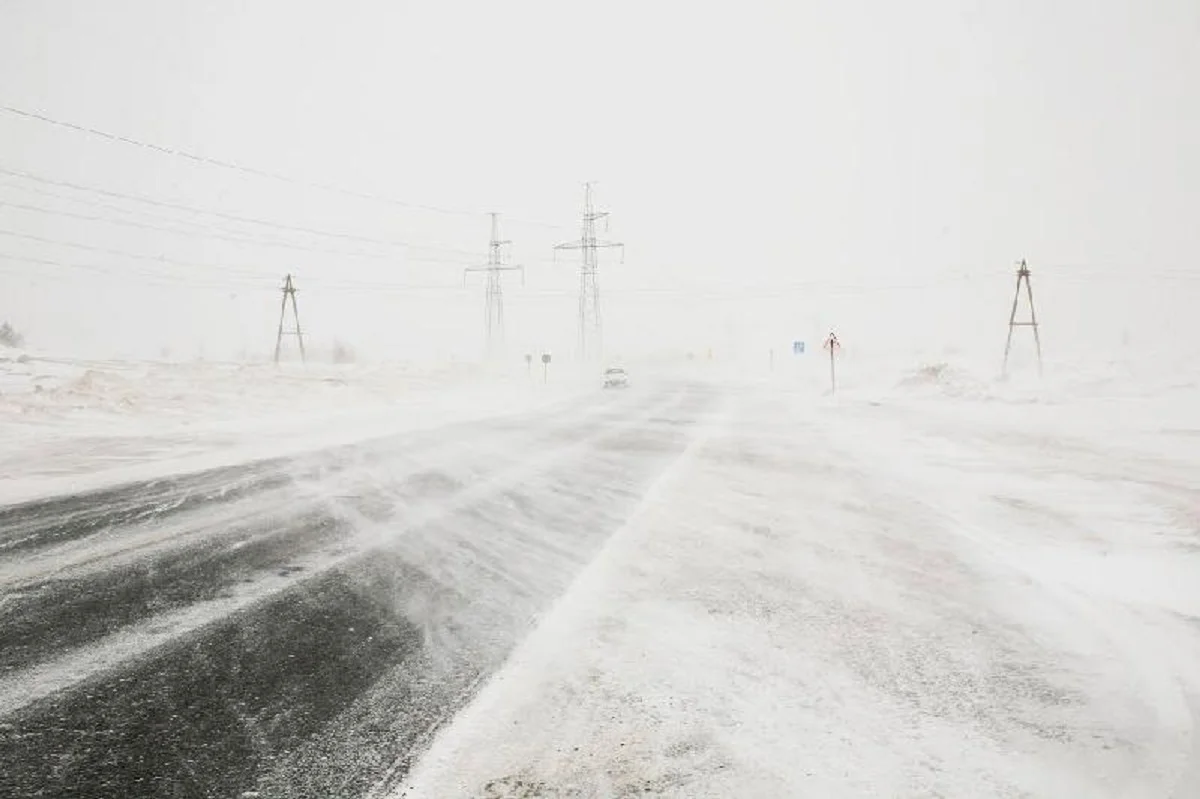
(1023, 275)
(289, 293)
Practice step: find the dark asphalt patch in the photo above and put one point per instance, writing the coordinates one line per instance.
(333, 687)
(205, 717)
(61, 614)
(35, 525)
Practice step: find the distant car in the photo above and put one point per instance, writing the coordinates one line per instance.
(615, 378)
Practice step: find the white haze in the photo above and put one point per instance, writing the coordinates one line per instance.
(775, 169)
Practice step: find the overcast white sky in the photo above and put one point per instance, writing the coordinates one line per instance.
(774, 168)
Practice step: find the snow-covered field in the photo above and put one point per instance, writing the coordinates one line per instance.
(68, 425)
(933, 586)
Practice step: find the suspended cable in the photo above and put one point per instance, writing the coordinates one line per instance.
(208, 233)
(248, 271)
(249, 170)
(159, 277)
(228, 216)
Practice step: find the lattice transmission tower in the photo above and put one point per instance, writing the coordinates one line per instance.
(590, 320)
(494, 300)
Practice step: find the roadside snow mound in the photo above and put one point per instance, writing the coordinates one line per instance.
(1062, 380)
(97, 388)
(945, 379)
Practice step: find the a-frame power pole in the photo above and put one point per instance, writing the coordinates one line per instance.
(289, 293)
(1023, 276)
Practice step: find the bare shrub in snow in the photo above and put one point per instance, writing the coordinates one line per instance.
(9, 337)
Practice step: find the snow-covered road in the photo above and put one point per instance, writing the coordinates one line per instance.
(695, 588)
(864, 598)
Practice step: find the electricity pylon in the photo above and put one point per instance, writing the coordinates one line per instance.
(494, 307)
(289, 292)
(589, 284)
(1023, 275)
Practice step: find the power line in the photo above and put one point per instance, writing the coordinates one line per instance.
(249, 170)
(109, 273)
(240, 276)
(1114, 271)
(159, 228)
(94, 203)
(123, 210)
(211, 234)
(236, 270)
(217, 162)
(227, 269)
(228, 216)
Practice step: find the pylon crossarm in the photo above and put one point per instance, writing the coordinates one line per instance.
(610, 245)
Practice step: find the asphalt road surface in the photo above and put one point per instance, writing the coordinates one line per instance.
(300, 627)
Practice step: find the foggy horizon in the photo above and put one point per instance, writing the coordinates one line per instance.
(773, 174)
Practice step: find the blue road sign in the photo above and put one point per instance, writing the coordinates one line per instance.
(798, 347)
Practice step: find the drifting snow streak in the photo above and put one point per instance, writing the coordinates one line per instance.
(333, 610)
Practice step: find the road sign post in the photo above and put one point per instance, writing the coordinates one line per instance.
(545, 365)
(528, 364)
(833, 345)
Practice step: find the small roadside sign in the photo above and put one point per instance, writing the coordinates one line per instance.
(797, 347)
(833, 345)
